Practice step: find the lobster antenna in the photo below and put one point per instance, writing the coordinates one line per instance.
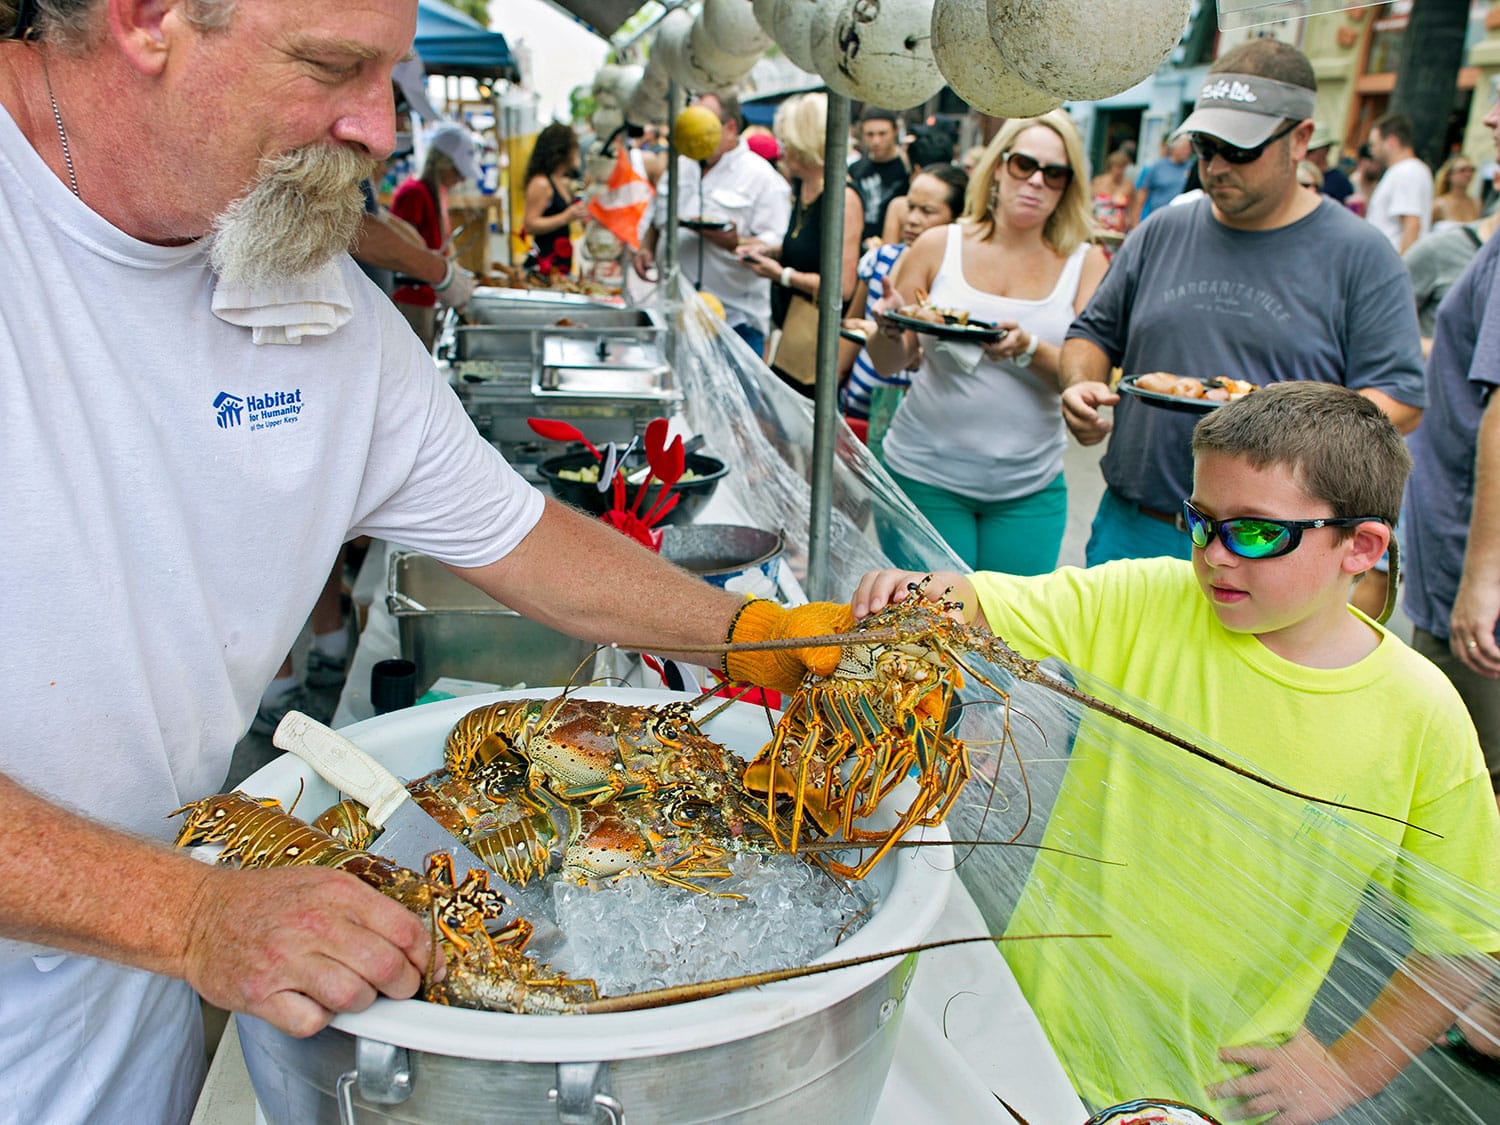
(678, 993)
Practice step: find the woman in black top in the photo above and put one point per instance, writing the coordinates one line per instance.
(551, 206)
(795, 269)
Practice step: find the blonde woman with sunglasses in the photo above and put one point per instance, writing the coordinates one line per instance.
(977, 444)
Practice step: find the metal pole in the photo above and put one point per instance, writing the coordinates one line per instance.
(830, 305)
(667, 244)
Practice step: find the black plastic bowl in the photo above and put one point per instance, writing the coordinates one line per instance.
(586, 494)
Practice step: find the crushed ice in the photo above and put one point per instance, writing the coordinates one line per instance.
(637, 934)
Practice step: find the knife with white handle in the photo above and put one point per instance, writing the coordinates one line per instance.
(409, 834)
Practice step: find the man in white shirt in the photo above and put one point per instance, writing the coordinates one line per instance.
(736, 186)
(1401, 205)
(203, 398)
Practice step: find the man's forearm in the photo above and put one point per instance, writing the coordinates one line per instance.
(1404, 417)
(74, 884)
(1482, 555)
(1411, 230)
(631, 596)
(1082, 361)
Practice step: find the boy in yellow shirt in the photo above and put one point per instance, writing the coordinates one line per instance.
(1221, 931)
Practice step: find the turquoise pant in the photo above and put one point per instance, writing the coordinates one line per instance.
(1020, 536)
(1121, 531)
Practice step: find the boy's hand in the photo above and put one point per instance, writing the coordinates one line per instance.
(881, 588)
(1299, 1082)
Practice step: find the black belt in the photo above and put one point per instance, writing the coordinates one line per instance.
(1176, 519)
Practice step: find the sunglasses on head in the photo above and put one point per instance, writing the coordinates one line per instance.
(1252, 538)
(1023, 167)
(1209, 147)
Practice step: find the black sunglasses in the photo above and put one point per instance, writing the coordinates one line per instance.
(1023, 167)
(1209, 147)
(1252, 538)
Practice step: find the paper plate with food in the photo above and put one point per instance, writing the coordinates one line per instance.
(700, 223)
(1183, 392)
(950, 324)
(1150, 1111)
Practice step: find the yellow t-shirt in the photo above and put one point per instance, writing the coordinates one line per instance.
(1233, 900)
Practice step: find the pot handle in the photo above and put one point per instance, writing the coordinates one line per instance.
(581, 1092)
(382, 1072)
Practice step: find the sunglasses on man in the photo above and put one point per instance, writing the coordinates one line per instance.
(1209, 147)
(1023, 167)
(1252, 538)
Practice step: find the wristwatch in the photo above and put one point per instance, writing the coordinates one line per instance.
(1023, 359)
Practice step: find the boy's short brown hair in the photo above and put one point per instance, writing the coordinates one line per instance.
(1339, 445)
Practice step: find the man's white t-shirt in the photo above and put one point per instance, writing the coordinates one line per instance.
(174, 496)
(1405, 189)
(743, 188)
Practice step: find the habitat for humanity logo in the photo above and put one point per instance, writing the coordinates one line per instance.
(262, 411)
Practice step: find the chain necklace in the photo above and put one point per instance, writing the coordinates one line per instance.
(62, 134)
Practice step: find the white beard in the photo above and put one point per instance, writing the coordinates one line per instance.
(303, 211)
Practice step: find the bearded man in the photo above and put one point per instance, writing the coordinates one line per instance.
(202, 399)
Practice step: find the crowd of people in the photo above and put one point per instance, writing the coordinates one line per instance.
(1241, 539)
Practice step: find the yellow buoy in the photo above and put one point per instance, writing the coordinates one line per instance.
(697, 132)
(715, 305)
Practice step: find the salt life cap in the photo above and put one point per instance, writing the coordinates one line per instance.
(457, 144)
(1245, 109)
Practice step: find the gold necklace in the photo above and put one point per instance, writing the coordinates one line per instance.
(800, 213)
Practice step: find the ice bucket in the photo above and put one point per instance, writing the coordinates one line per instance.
(811, 1050)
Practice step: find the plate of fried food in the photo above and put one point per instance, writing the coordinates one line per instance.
(950, 324)
(700, 223)
(1183, 392)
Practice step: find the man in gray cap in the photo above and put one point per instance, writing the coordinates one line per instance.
(1259, 280)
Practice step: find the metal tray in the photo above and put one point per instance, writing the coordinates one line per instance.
(449, 628)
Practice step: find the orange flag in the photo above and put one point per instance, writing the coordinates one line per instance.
(619, 207)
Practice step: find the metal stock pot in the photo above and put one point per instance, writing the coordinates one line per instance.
(816, 1049)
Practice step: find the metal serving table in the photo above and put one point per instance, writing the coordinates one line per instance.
(522, 353)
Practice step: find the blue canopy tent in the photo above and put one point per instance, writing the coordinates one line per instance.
(452, 43)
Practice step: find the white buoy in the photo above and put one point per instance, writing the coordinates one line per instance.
(969, 60)
(734, 28)
(793, 32)
(882, 49)
(671, 41)
(1077, 51)
(717, 69)
(765, 15)
(825, 48)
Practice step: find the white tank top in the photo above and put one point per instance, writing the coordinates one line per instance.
(984, 429)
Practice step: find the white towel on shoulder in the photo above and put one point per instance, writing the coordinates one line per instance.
(315, 305)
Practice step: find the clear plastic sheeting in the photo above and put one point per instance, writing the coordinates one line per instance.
(764, 431)
(1226, 904)
(1253, 13)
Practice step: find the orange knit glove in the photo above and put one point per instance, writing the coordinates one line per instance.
(784, 669)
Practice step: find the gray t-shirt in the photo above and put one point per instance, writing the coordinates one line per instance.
(1323, 299)
(1462, 370)
(1434, 264)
